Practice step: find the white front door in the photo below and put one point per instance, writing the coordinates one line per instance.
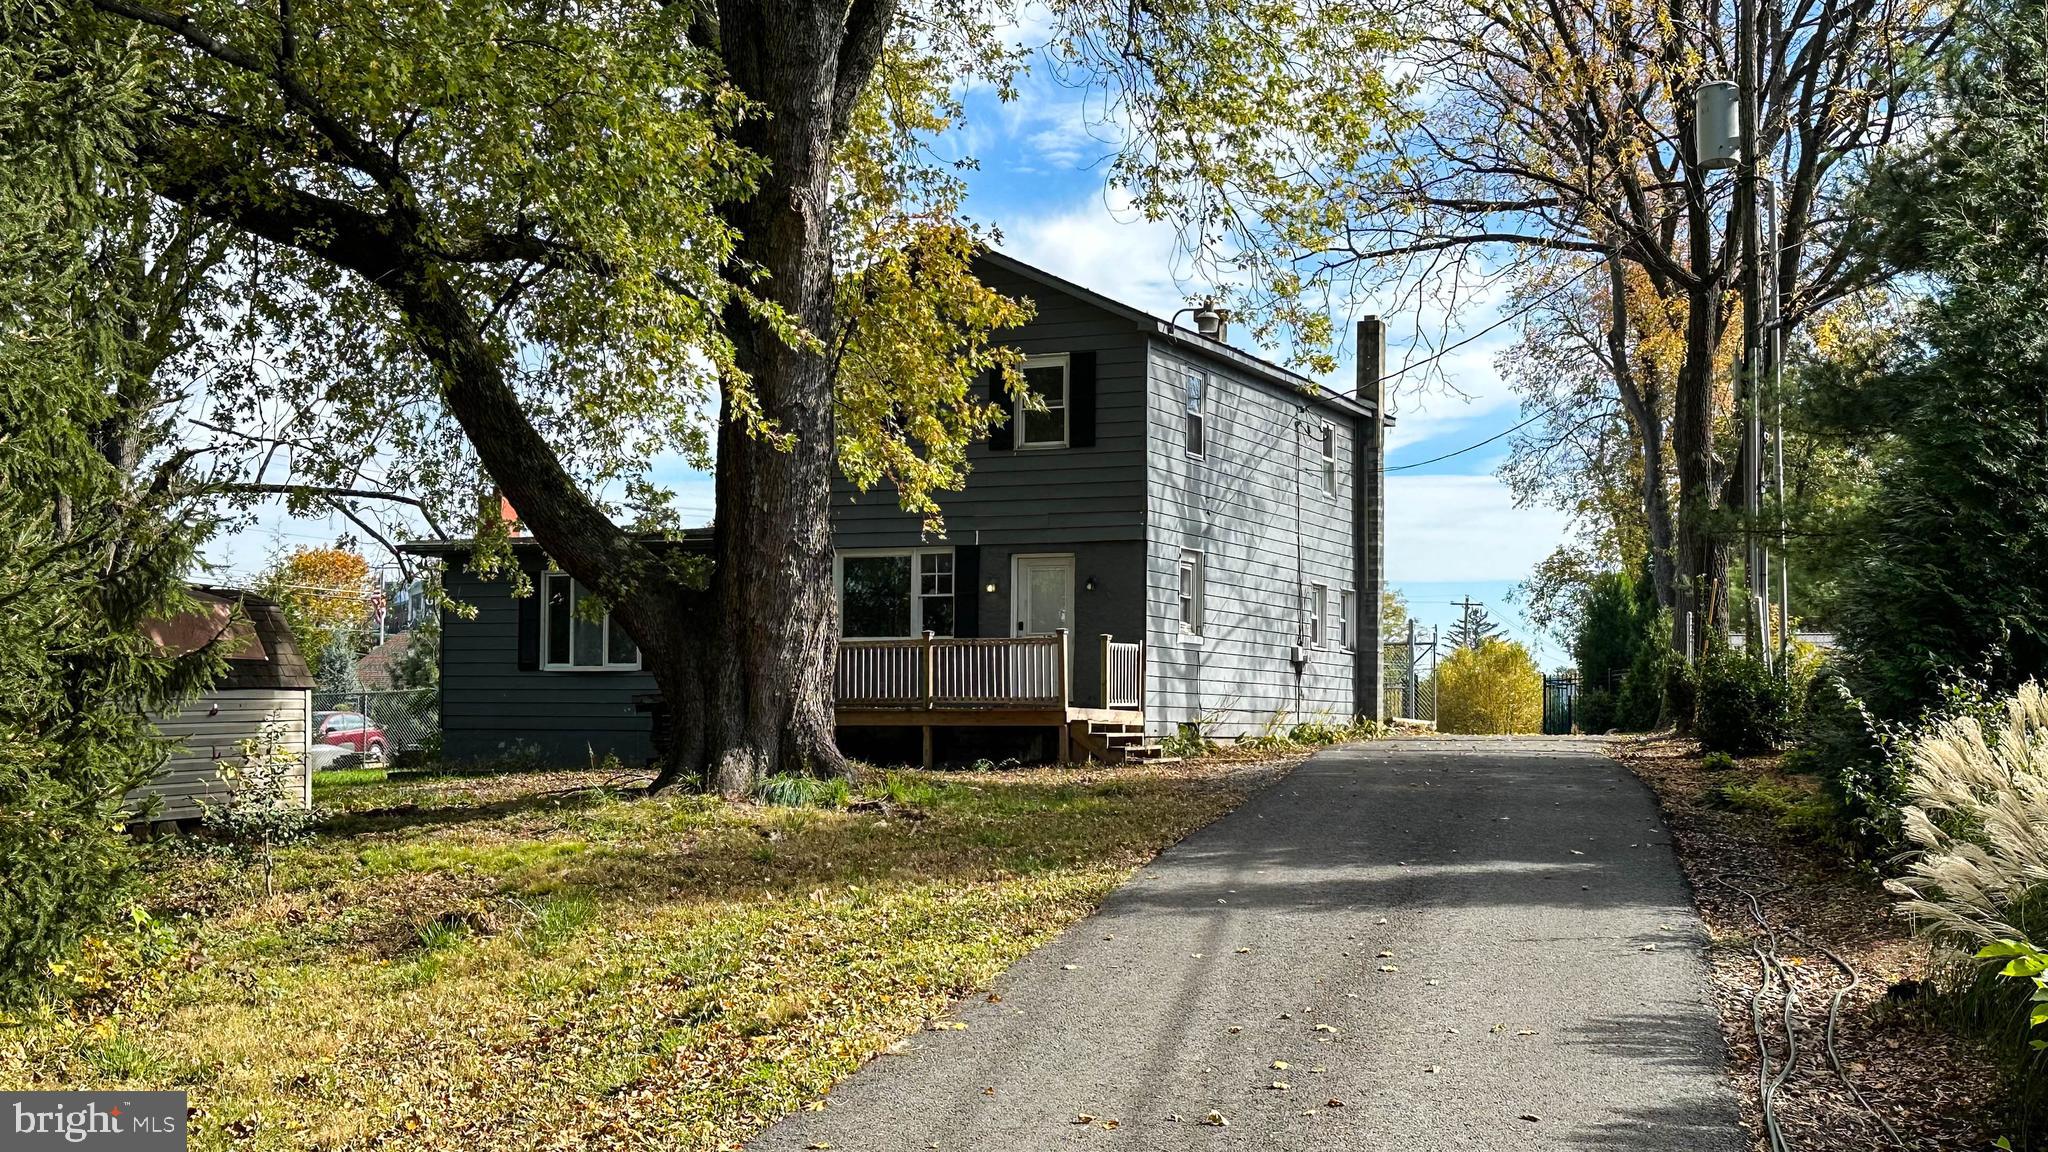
(1041, 595)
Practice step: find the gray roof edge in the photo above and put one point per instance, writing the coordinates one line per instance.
(1185, 337)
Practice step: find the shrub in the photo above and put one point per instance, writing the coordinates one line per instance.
(1863, 761)
(1681, 694)
(1640, 705)
(1717, 762)
(263, 811)
(1741, 706)
(1596, 712)
(1977, 813)
(1187, 741)
(1492, 689)
(1315, 733)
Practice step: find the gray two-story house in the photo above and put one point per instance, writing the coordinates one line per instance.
(1174, 533)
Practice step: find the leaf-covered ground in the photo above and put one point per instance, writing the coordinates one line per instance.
(1750, 829)
(550, 961)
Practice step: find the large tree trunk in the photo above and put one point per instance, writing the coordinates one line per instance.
(1643, 402)
(768, 695)
(1702, 573)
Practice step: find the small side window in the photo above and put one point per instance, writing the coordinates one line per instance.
(1190, 592)
(1346, 624)
(1319, 616)
(1329, 469)
(1196, 387)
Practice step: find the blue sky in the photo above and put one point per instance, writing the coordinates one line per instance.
(1452, 529)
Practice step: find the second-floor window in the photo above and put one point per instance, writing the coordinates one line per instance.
(1045, 377)
(1327, 470)
(579, 637)
(1196, 387)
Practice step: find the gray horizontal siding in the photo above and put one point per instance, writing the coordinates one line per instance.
(1253, 506)
(207, 735)
(491, 709)
(1090, 494)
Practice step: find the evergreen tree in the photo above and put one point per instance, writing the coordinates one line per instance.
(90, 554)
(1473, 628)
(334, 668)
(1954, 576)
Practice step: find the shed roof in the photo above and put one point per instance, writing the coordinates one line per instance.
(260, 650)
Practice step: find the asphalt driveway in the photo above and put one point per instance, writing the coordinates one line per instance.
(1451, 944)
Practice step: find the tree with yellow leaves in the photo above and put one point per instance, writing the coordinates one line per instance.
(1494, 689)
(326, 594)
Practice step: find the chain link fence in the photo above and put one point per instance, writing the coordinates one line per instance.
(352, 729)
(1411, 680)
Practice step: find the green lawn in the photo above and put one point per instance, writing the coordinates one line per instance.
(539, 961)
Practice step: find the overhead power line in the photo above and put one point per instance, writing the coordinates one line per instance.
(1468, 447)
(1510, 318)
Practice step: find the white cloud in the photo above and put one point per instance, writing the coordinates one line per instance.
(1426, 412)
(1087, 243)
(1452, 528)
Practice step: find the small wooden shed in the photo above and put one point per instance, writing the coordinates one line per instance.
(266, 679)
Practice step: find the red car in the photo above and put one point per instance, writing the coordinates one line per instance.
(351, 730)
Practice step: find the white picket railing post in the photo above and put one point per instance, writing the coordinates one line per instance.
(1108, 671)
(927, 672)
(1064, 670)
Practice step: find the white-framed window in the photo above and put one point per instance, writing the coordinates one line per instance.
(1319, 615)
(1327, 474)
(1045, 377)
(1196, 386)
(575, 639)
(1347, 620)
(1189, 591)
(895, 594)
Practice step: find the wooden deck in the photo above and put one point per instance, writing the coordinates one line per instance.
(1013, 682)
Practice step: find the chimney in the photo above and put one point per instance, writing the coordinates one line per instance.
(1369, 519)
(506, 513)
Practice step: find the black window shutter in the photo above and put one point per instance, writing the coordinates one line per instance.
(529, 622)
(967, 590)
(999, 433)
(1081, 400)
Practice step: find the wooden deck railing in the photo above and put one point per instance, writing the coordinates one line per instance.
(1123, 674)
(944, 672)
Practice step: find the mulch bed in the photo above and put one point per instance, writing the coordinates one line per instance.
(1935, 1090)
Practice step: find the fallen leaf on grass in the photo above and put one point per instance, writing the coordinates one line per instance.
(1084, 1118)
(1278, 1086)
(1280, 1065)
(1532, 1118)
(1216, 1120)
(1333, 1102)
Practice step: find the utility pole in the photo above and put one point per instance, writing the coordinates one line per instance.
(1466, 631)
(1748, 209)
